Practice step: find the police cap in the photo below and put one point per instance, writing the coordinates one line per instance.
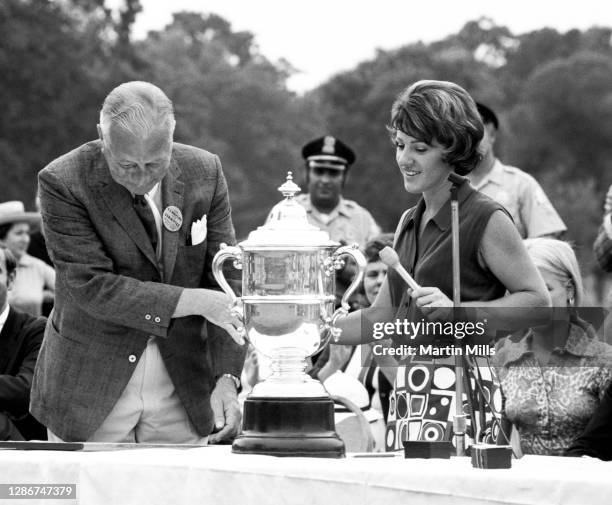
(328, 152)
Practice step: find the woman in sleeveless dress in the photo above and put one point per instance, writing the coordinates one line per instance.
(436, 129)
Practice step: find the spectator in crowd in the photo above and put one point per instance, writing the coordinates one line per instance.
(347, 363)
(436, 130)
(596, 439)
(20, 338)
(603, 242)
(517, 191)
(132, 222)
(34, 282)
(38, 249)
(358, 360)
(554, 376)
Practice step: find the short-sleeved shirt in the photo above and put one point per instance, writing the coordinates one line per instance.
(349, 222)
(524, 198)
(551, 405)
(32, 278)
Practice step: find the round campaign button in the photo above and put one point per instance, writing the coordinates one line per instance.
(173, 218)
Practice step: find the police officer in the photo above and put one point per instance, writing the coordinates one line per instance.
(516, 190)
(328, 160)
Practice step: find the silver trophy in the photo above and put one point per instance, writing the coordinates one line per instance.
(288, 298)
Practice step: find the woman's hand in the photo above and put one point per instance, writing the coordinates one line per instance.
(432, 302)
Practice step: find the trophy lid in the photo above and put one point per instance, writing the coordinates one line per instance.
(288, 225)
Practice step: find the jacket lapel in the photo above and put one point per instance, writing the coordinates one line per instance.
(119, 202)
(172, 195)
(8, 341)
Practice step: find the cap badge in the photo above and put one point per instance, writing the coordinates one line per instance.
(329, 145)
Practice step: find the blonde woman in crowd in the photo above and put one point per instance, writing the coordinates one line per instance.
(553, 377)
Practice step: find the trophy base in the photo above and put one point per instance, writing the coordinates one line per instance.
(289, 427)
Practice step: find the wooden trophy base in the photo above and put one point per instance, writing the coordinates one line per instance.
(299, 427)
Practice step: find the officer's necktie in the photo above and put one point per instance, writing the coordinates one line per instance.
(146, 216)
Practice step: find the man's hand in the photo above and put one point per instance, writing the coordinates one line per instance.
(226, 411)
(215, 306)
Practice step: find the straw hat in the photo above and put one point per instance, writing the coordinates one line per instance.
(14, 212)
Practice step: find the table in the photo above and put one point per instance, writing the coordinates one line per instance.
(212, 475)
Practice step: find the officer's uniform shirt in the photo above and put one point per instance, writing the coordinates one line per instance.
(349, 222)
(523, 197)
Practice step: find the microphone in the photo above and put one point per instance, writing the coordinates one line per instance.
(390, 258)
(457, 179)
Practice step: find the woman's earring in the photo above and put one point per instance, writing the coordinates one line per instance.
(570, 301)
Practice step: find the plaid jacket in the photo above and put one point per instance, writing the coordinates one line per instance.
(112, 294)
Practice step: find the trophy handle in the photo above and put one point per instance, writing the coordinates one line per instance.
(226, 252)
(357, 255)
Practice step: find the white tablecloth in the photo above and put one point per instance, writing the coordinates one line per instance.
(212, 476)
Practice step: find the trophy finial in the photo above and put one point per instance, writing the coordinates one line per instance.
(289, 188)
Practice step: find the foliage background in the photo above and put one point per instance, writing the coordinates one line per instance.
(553, 92)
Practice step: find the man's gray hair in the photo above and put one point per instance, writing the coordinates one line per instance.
(138, 107)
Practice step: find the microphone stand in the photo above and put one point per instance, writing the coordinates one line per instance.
(499, 457)
(459, 419)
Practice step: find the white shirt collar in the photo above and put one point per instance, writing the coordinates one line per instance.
(4, 317)
(151, 194)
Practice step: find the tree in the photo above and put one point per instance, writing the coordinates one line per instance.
(231, 100)
(358, 103)
(563, 119)
(57, 61)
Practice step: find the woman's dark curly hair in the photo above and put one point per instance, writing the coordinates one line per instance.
(444, 112)
(377, 244)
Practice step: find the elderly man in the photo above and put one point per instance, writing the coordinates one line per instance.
(20, 338)
(132, 221)
(519, 192)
